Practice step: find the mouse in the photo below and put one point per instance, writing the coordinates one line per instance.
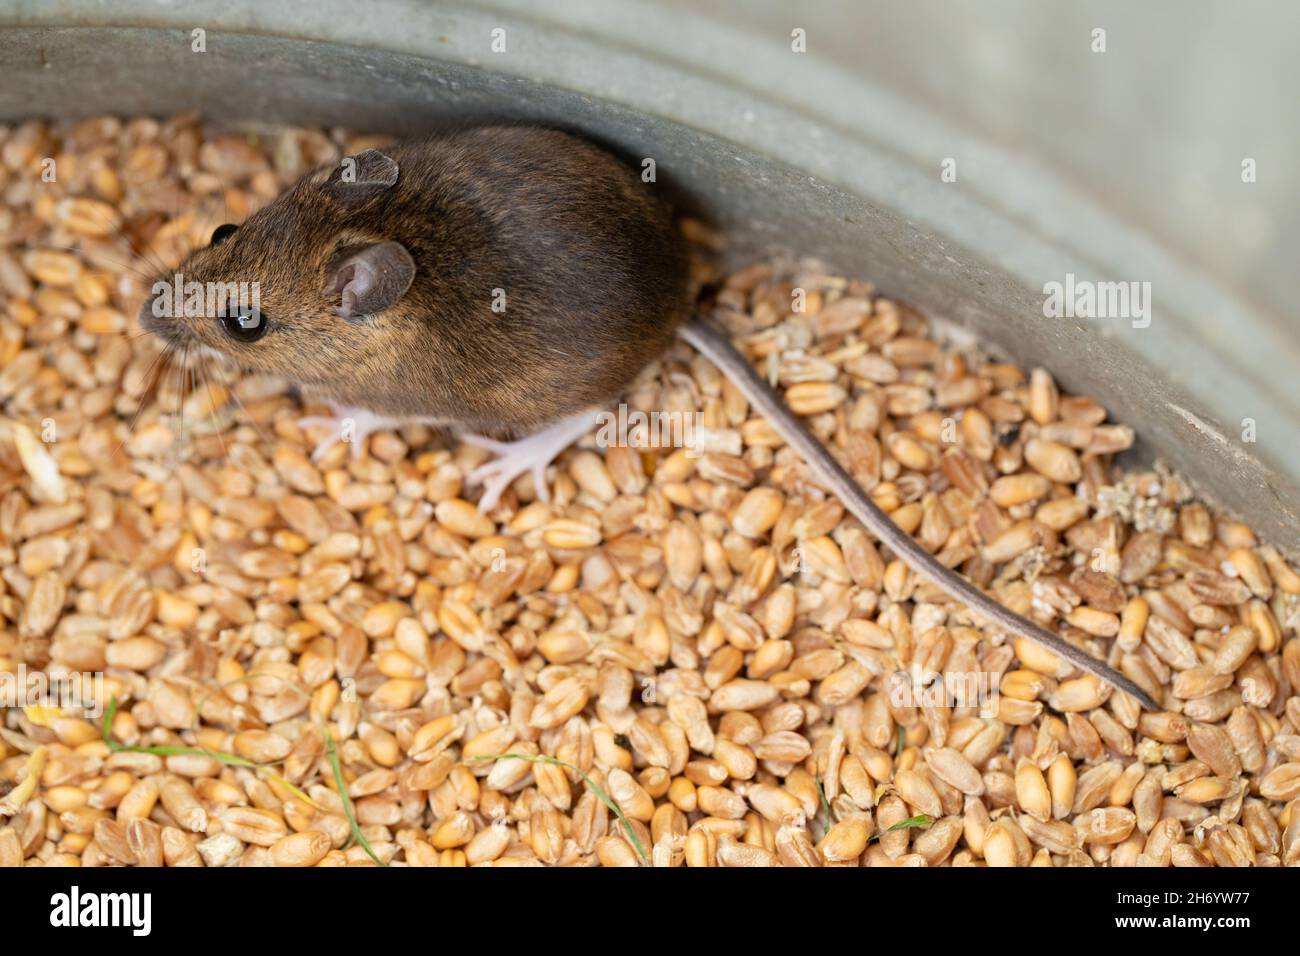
(494, 281)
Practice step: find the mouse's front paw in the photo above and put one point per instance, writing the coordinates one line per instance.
(528, 455)
(499, 474)
(352, 426)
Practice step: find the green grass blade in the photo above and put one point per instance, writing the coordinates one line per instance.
(106, 730)
(595, 788)
(106, 727)
(348, 812)
(826, 805)
(920, 821)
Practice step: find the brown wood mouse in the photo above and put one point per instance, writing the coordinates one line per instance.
(493, 280)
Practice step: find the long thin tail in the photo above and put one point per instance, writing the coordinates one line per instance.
(719, 350)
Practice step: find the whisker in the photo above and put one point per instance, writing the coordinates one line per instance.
(151, 255)
(234, 393)
(180, 397)
(150, 381)
(207, 384)
(117, 262)
(154, 264)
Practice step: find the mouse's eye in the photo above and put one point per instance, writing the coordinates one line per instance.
(222, 233)
(244, 324)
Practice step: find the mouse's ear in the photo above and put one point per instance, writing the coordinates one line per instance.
(360, 178)
(370, 279)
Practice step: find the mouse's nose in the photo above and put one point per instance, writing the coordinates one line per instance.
(146, 315)
(154, 314)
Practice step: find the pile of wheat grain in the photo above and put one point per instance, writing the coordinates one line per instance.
(707, 639)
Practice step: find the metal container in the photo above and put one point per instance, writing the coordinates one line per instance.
(962, 157)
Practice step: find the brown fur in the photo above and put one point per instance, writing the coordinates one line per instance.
(593, 272)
